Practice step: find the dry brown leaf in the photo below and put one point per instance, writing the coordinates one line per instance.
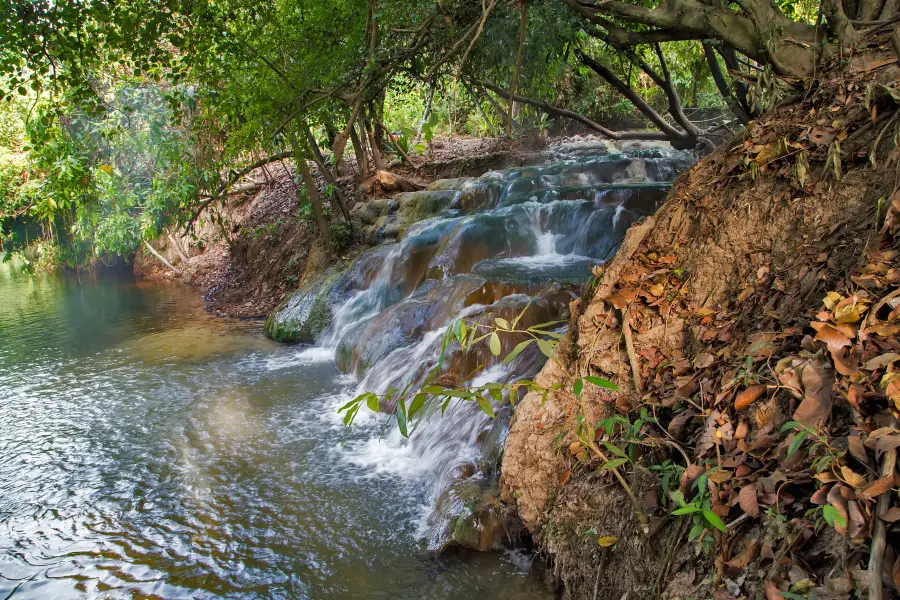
(892, 515)
(857, 449)
(749, 396)
(820, 496)
(833, 338)
(657, 290)
(817, 393)
(879, 362)
(839, 502)
(852, 478)
(748, 501)
(746, 557)
(857, 522)
(877, 488)
(885, 443)
(690, 476)
(846, 361)
(850, 310)
(772, 591)
(564, 477)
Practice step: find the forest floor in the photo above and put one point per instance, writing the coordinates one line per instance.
(271, 245)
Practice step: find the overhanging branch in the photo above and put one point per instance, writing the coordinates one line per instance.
(568, 114)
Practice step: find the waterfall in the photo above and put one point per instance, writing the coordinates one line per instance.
(501, 242)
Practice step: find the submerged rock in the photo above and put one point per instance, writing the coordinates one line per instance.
(469, 515)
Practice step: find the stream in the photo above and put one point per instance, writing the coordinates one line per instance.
(148, 449)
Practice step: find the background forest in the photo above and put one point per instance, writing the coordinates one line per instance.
(118, 122)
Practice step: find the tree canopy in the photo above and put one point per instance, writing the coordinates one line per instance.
(131, 116)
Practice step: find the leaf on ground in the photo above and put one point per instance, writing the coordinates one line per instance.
(607, 541)
(857, 449)
(852, 478)
(892, 515)
(877, 488)
(689, 477)
(747, 499)
(750, 553)
(879, 362)
(749, 396)
(833, 338)
(818, 396)
(564, 477)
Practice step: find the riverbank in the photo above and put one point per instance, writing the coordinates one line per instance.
(268, 248)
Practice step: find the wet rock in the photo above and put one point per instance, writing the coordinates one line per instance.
(432, 306)
(480, 237)
(468, 515)
(306, 313)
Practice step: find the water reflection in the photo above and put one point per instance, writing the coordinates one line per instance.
(148, 450)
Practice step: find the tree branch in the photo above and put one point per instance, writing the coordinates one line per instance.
(561, 112)
(678, 138)
(724, 88)
(232, 178)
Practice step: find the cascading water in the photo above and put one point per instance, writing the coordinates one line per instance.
(496, 244)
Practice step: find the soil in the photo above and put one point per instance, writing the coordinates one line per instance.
(708, 320)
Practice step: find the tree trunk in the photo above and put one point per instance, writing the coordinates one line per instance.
(362, 161)
(161, 258)
(476, 100)
(312, 193)
(523, 22)
(373, 144)
(326, 173)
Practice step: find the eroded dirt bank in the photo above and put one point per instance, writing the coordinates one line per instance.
(268, 245)
(751, 325)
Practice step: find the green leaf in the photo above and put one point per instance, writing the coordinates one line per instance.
(401, 418)
(495, 344)
(521, 314)
(517, 351)
(485, 406)
(686, 510)
(614, 463)
(433, 389)
(579, 385)
(547, 348)
(832, 516)
(615, 449)
(543, 325)
(796, 443)
(416, 405)
(713, 519)
(789, 425)
(603, 383)
(372, 403)
(502, 323)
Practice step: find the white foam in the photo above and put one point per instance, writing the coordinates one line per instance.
(307, 356)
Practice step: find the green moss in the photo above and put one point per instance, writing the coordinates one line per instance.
(307, 312)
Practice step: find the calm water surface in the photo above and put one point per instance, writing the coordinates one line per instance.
(148, 450)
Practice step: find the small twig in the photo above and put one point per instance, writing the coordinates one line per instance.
(670, 552)
(876, 555)
(632, 357)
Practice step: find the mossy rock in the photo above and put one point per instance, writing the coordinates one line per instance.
(306, 313)
(468, 515)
